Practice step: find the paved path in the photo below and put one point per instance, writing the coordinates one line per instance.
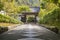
(29, 32)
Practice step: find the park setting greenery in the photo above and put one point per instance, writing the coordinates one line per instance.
(49, 11)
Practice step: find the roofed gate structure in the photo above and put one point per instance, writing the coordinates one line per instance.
(34, 6)
(35, 11)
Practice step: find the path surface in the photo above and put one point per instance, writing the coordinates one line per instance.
(29, 32)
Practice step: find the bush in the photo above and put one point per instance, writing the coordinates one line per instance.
(3, 29)
(8, 19)
(30, 19)
(52, 19)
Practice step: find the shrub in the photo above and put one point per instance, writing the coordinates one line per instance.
(52, 18)
(3, 29)
(8, 19)
(30, 19)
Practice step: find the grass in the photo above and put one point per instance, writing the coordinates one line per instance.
(7, 24)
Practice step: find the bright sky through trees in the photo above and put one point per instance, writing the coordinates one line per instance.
(29, 2)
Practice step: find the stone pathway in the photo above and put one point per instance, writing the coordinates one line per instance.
(29, 32)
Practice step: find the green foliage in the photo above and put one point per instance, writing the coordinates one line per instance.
(52, 18)
(48, 7)
(30, 19)
(43, 5)
(1, 6)
(7, 19)
(50, 13)
(23, 8)
(55, 1)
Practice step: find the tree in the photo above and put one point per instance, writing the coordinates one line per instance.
(23, 8)
(1, 6)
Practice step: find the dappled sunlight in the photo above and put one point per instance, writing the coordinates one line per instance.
(29, 19)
